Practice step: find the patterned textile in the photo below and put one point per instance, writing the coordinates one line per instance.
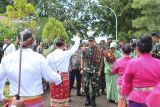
(97, 55)
(31, 102)
(59, 94)
(93, 78)
(92, 57)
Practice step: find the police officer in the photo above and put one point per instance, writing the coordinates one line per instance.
(90, 70)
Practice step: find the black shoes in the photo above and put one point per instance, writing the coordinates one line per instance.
(111, 101)
(88, 103)
(80, 94)
(70, 100)
(103, 92)
(93, 103)
(97, 94)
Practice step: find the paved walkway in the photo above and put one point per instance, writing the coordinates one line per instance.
(78, 101)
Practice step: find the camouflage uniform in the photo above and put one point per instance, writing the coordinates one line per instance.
(90, 71)
(156, 50)
(156, 45)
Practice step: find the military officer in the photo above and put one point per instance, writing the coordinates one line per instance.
(91, 63)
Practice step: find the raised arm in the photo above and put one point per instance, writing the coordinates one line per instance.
(75, 47)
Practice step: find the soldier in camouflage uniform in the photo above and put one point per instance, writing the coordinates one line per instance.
(155, 52)
(91, 58)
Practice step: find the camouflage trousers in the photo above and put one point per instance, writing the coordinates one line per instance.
(94, 79)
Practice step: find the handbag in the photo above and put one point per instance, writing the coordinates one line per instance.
(122, 102)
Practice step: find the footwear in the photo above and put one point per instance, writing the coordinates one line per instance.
(111, 101)
(88, 101)
(80, 94)
(97, 94)
(70, 100)
(93, 103)
(103, 92)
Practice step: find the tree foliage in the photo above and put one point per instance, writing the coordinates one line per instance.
(52, 29)
(6, 32)
(3, 4)
(20, 9)
(125, 14)
(149, 20)
(22, 15)
(134, 16)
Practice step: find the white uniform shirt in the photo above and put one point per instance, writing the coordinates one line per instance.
(61, 58)
(11, 48)
(34, 66)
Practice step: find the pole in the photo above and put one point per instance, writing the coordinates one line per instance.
(114, 15)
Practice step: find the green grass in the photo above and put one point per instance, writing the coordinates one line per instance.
(6, 91)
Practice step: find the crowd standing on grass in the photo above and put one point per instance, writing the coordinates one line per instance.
(128, 74)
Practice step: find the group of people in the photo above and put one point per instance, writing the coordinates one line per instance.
(131, 73)
(127, 74)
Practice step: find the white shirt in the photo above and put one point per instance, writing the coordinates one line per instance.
(34, 66)
(61, 58)
(2, 84)
(11, 48)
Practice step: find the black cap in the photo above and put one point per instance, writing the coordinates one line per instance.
(91, 38)
(60, 40)
(154, 34)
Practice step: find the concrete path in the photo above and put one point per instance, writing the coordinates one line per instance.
(78, 101)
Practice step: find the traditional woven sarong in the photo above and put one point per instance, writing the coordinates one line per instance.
(59, 94)
(31, 102)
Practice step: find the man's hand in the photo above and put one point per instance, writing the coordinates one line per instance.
(69, 69)
(99, 73)
(78, 34)
(81, 71)
(5, 102)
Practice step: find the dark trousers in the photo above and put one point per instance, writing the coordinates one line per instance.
(102, 81)
(73, 74)
(136, 104)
